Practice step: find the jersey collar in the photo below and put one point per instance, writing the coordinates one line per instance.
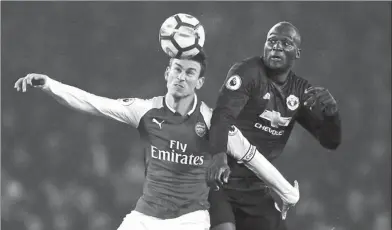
(190, 112)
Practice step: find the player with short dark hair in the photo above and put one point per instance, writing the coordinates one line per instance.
(174, 133)
(264, 98)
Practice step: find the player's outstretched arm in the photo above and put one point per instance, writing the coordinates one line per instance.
(78, 99)
(320, 116)
(240, 148)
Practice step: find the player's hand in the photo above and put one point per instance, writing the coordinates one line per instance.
(321, 100)
(218, 171)
(31, 79)
(286, 205)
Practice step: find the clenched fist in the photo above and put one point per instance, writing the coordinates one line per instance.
(32, 79)
(320, 100)
(218, 171)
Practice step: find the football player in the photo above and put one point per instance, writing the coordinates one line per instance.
(264, 98)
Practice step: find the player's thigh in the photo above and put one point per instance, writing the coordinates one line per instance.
(198, 220)
(221, 211)
(138, 221)
(268, 221)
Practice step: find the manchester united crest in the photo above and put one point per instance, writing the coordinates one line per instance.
(200, 129)
(292, 102)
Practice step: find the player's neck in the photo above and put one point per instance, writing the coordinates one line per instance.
(278, 76)
(182, 105)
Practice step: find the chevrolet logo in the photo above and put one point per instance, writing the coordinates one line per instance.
(275, 118)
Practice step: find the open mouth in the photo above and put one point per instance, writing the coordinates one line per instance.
(276, 58)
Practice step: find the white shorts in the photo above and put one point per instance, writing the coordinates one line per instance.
(198, 220)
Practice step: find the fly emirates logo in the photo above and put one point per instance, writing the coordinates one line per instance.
(177, 154)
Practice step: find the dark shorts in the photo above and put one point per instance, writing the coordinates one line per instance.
(250, 210)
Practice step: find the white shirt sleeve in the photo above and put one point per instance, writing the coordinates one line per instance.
(206, 111)
(237, 145)
(129, 110)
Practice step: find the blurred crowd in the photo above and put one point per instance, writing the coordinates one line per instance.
(64, 170)
(59, 186)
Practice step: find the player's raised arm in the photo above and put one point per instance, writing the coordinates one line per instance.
(125, 110)
(320, 116)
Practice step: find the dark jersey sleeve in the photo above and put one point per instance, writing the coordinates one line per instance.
(232, 98)
(326, 129)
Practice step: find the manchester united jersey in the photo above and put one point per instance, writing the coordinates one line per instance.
(264, 111)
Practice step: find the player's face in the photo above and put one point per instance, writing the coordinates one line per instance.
(183, 77)
(281, 48)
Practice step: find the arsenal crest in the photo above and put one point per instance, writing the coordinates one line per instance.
(292, 102)
(200, 129)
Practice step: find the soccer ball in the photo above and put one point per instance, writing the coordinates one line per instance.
(181, 36)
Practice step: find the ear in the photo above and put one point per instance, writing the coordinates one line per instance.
(167, 72)
(298, 53)
(200, 83)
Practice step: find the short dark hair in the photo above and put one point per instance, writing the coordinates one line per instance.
(200, 58)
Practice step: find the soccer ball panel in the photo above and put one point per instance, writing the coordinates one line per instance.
(168, 26)
(190, 53)
(188, 19)
(169, 48)
(201, 34)
(184, 40)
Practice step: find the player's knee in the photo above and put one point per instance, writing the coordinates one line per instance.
(224, 226)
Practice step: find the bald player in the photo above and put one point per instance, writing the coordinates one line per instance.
(264, 98)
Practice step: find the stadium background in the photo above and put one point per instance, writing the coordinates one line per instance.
(65, 170)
